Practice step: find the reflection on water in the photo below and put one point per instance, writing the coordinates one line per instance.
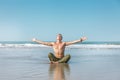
(59, 71)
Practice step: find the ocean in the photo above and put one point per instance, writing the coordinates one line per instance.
(22, 60)
(89, 45)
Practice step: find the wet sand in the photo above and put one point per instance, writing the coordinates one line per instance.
(85, 64)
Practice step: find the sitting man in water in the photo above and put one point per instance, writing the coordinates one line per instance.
(59, 48)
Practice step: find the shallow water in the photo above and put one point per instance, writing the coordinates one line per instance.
(85, 64)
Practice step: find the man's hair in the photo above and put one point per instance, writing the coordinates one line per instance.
(60, 35)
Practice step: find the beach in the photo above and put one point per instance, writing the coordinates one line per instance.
(87, 31)
(28, 61)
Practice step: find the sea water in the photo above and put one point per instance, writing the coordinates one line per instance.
(24, 60)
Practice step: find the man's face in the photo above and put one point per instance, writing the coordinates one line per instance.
(59, 37)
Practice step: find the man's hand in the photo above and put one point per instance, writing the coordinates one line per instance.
(34, 39)
(83, 38)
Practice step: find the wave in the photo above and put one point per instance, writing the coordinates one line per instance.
(96, 46)
(79, 46)
(20, 45)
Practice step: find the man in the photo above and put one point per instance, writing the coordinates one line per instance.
(59, 48)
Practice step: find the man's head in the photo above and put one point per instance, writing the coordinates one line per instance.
(59, 37)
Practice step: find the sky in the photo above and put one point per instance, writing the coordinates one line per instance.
(22, 20)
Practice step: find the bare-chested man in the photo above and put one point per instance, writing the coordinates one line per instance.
(59, 48)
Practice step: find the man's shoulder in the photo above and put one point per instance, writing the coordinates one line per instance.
(64, 42)
(55, 42)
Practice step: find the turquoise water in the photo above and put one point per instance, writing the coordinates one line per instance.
(88, 42)
(30, 62)
(89, 45)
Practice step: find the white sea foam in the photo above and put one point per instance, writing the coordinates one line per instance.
(88, 46)
(20, 45)
(92, 46)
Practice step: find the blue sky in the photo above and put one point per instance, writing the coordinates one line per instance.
(21, 20)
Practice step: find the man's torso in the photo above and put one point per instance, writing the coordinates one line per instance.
(59, 49)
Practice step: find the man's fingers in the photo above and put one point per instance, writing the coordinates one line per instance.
(84, 38)
(34, 39)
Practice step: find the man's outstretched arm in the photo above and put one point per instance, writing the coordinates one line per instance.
(76, 41)
(42, 42)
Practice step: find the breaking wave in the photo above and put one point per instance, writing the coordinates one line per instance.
(88, 46)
